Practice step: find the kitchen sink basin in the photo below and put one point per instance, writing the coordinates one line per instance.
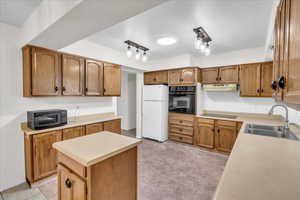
(272, 131)
(220, 116)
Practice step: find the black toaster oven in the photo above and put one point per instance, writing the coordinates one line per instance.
(41, 119)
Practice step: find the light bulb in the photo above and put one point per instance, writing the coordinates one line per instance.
(207, 50)
(198, 43)
(129, 52)
(202, 47)
(137, 55)
(144, 58)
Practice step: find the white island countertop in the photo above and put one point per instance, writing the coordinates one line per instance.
(91, 149)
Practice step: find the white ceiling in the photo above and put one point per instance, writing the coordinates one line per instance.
(15, 12)
(232, 25)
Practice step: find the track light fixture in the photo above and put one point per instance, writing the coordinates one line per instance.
(139, 50)
(203, 41)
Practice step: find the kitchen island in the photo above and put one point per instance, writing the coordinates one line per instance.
(97, 166)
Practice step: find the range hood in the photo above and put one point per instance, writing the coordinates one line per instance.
(220, 87)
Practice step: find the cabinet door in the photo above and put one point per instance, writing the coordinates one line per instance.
(174, 77)
(204, 135)
(291, 68)
(161, 77)
(113, 126)
(93, 78)
(225, 138)
(70, 186)
(112, 80)
(46, 72)
(229, 74)
(250, 80)
(70, 133)
(210, 75)
(189, 76)
(93, 128)
(266, 79)
(149, 78)
(73, 75)
(44, 155)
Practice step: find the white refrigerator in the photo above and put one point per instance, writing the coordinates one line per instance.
(155, 112)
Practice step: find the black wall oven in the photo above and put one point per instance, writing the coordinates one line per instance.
(182, 99)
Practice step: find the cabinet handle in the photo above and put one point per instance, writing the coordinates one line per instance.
(218, 130)
(220, 78)
(180, 121)
(274, 85)
(217, 78)
(68, 183)
(56, 88)
(180, 130)
(213, 130)
(281, 82)
(86, 89)
(262, 90)
(257, 90)
(104, 90)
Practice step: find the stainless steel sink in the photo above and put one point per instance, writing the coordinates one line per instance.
(220, 116)
(272, 131)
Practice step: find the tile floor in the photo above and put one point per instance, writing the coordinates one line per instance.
(167, 171)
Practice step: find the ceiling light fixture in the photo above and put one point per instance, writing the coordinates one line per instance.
(139, 50)
(166, 41)
(203, 41)
(129, 52)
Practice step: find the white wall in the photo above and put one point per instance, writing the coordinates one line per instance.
(126, 104)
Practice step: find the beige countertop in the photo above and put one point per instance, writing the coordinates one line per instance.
(73, 122)
(260, 167)
(91, 149)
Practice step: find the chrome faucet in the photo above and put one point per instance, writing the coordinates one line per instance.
(286, 124)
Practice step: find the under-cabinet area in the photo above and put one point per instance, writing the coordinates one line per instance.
(52, 73)
(41, 158)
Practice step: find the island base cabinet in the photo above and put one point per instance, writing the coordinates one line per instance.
(114, 178)
(70, 186)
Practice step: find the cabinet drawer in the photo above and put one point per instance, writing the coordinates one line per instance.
(72, 165)
(185, 130)
(181, 119)
(93, 128)
(205, 120)
(225, 123)
(181, 138)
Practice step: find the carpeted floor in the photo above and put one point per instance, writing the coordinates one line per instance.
(167, 171)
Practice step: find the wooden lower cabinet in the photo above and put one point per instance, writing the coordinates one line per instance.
(44, 156)
(181, 127)
(217, 135)
(93, 128)
(114, 178)
(41, 158)
(225, 137)
(204, 134)
(70, 186)
(112, 126)
(70, 133)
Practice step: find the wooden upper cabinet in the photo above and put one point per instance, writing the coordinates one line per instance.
(266, 79)
(45, 72)
(149, 78)
(225, 137)
(292, 62)
(174, 77)
(44, 155)
(112, 80)
(229, 74)
(73, 75)
(93, 78)
(157, 77)
(189, 76)
(250, 80)
(210, 75)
